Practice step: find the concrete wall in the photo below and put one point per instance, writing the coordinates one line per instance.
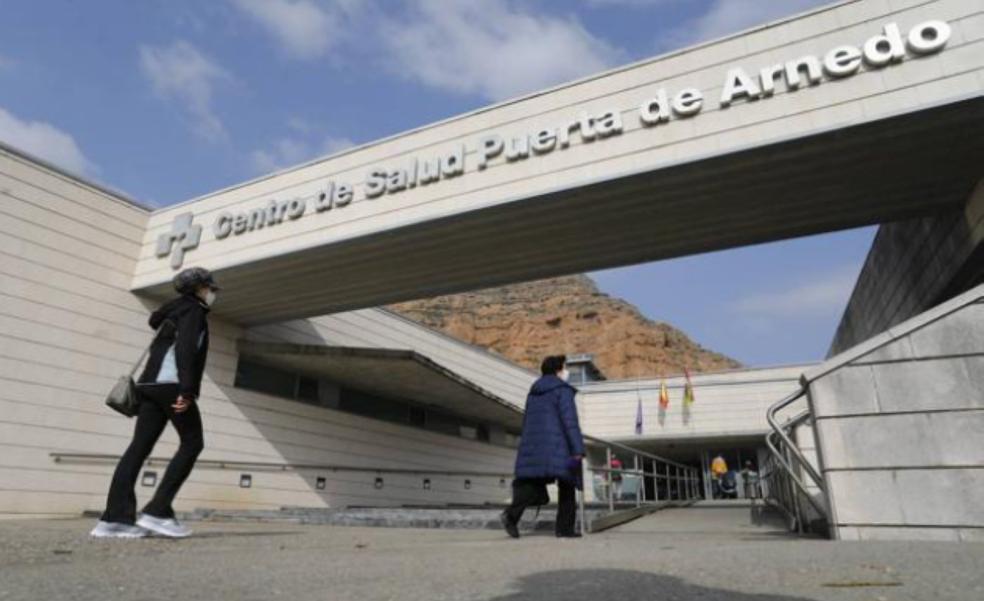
(912, 266)
(727, 404)
(899, 422)
(69, 327)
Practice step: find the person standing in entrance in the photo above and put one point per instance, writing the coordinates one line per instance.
(550, 449)
(169, 387)
(719, 467)
(616, 475)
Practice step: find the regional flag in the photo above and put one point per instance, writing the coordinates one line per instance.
(664, 395)
(638, 424)
(688, 389)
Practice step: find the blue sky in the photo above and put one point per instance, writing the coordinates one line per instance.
(170, 99)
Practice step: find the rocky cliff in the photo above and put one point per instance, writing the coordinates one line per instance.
(525, 322)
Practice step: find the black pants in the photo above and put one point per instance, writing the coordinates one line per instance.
(155, 412)
(527, 492)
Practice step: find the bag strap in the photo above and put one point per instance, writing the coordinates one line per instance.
(146, 351)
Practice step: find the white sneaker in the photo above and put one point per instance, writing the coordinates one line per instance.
(168, 527)
(117, 530)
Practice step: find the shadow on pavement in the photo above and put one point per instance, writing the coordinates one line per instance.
(592, 585)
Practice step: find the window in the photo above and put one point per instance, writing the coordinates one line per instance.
(418, 417)
(297, 387)
(355, 401)
(262, 378)
(307, 389)
(445, 424)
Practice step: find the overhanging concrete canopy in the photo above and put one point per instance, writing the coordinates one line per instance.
(887, 142)
(389, 373)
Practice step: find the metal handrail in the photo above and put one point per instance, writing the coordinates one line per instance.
(681, 484)
(778, 430)
(260, 465)
(770, 415)
(775, 483)
(634, 451)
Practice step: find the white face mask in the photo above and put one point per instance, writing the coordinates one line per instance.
(210, 298)
(564, 374)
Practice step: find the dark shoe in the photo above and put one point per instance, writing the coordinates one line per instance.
(510, 526)
(568, 535)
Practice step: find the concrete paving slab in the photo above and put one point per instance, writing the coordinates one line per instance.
(677, 554)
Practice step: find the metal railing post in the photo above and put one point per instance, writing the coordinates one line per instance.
(676, 482)
(641, 480)
(793, 498)
(585, 528)
(611, 486)
(655, 481)
(669, 491)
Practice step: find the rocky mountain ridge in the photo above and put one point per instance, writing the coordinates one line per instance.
(525, 322)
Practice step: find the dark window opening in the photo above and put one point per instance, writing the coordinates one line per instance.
(306, 389)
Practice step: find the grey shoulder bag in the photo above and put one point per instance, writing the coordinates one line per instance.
(123, 398)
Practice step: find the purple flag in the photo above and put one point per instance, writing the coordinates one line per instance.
(638, 428)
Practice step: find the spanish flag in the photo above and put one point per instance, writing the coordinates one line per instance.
(688, 389)
(664, 395)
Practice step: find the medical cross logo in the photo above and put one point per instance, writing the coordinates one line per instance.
(182, 237)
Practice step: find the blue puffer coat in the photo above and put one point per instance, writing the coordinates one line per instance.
(551, 434)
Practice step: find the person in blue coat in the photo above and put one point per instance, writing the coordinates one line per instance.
(550, 450)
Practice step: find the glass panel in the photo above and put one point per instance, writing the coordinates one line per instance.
(373, 406)
(265, 379)
(438, 422)
(418, 417)
(307, 390)
(273, 381)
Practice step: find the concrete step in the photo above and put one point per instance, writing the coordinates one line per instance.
(385, 517)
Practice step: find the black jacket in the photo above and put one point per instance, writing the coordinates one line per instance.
(185, 327)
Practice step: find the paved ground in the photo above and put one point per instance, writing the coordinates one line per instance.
(677, 554)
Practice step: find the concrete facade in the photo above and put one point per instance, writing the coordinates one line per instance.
(899, 422)
(727, 416)
(82, 266)
(69, 327)
(781, 163)
(912, 266)
(728, 405)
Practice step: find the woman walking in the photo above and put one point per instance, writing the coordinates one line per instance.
(169, 387)
(550, 449)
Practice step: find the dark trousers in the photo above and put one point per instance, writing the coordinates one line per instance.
(121, 504)
(527, 492)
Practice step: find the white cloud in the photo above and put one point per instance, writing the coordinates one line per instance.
(628, 3)
(331, 145)
(303, 28)
(45, 141)
(494, 49)
(180, 72)
(287, 152)
(730, 16)
(825, 294)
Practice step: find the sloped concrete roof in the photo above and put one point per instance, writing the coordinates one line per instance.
(390, 373)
